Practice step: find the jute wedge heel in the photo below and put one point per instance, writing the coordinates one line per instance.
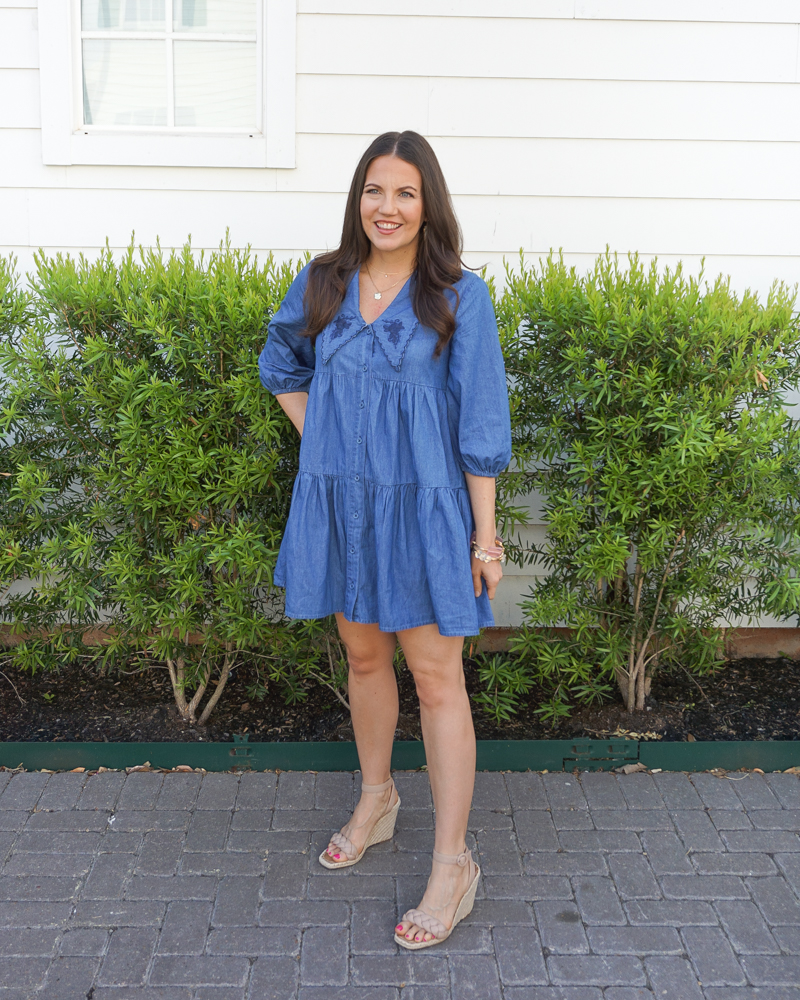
(383, 830)
(431, 924)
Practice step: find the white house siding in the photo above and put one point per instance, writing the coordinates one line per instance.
(671, 127)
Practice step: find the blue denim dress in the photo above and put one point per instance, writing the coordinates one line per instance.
(380, 520)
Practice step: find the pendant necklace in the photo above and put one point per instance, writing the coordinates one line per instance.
(378, 292)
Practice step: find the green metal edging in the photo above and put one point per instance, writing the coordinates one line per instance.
(493, 755)
(769, 756)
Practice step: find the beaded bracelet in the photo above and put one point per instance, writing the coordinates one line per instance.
(495, 553)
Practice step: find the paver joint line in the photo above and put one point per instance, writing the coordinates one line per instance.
(595, 887)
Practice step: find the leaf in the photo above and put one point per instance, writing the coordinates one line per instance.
(632, 768)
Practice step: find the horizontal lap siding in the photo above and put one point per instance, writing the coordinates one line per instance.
(18, 38)
(19, 103)
(760, 11)
(667, 126)
(585, 109)
(546, 49)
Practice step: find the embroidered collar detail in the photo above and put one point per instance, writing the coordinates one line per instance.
(339, 331)
(393, 329)
(394, 334)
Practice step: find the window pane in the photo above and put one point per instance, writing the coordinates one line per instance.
(215, 84)
(124, 82)
(122, 15)
(215, 15)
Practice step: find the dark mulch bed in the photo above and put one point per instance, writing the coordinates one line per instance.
(746, 700)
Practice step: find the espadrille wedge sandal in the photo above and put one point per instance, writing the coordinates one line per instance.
(431, 924)
(348, 854)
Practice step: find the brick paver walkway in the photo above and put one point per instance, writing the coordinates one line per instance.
(192, 887)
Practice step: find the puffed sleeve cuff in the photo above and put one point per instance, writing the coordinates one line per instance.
(277, 380)
(477, 383)
(489, 467)
(287, 362)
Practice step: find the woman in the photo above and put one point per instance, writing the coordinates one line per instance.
(385, 356)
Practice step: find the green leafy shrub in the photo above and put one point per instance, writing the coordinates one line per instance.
(153, 470)
(504, 680)
(649, 413)
(21, 459)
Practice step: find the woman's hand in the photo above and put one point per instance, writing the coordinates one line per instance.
(491, 572)
(481, 495)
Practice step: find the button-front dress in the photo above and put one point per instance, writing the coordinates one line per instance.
(380, 520)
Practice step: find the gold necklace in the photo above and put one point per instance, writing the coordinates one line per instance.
(378, 292)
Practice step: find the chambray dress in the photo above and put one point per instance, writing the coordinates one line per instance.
(380, 519)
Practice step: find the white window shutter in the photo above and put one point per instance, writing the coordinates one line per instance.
(55, 80)
(280, 53)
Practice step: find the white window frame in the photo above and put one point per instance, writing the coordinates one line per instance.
(66, 141)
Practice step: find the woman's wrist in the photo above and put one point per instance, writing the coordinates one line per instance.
(488, 553)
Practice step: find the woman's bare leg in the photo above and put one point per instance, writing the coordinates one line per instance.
(372, 693)
(436, 664)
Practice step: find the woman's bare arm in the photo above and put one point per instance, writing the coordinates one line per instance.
(294, 405)
(482, 498)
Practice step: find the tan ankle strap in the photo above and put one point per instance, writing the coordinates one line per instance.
(453, 859)
(376, 789)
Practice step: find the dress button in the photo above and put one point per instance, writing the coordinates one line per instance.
(350, 586)
(361, 404)
(357, 478)
(356, 514)
(359, 440)
(352, 549)
(364, 368)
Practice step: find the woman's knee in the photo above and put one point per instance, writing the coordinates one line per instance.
(437, 684)
(368, 649)
(364, 662)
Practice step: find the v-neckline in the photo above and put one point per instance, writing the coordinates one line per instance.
(355, 291)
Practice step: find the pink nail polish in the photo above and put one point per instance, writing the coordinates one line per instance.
(399, 927)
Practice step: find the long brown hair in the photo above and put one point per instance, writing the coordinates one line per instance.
(439, 245)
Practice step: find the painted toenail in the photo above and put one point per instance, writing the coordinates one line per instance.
(399, 927)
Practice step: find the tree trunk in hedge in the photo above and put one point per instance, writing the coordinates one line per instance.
(230, 657)
(177, 675)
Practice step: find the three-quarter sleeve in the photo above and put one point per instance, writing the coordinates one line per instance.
(287, 362)
(480, 419)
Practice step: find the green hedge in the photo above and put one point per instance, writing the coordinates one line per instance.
(145, 475)
(151, 473)
(650, 415)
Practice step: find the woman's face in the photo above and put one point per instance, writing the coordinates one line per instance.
(391, 204)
